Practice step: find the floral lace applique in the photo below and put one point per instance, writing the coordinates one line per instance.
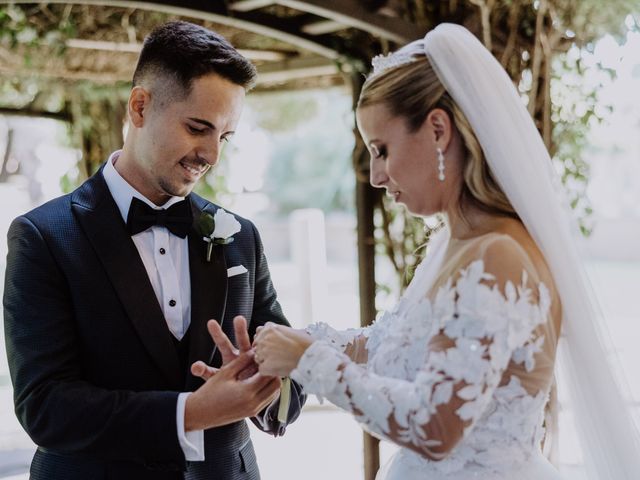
(337, 338)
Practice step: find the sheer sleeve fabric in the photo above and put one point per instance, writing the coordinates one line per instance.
(488, 324)
(351, 342)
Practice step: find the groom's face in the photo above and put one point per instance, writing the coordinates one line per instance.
(178, 140)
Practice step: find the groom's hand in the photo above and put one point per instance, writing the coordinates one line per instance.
(224, 398)
(227, 350)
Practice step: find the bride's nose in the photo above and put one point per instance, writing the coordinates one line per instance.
(377, 175)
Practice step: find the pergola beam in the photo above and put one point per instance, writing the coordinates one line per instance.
(352, 13)
(297, 69)
(101, 45)
(268, 74)
(85, 44)
(248, 5)
(323, 27)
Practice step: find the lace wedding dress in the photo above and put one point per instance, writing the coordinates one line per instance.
(457, 373)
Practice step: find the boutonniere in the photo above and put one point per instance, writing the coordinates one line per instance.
(217, 229)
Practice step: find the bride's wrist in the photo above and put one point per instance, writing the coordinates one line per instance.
(304, 342)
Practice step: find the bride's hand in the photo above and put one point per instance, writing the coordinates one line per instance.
(279, 348)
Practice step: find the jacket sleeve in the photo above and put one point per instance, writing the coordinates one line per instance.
(267, 309)
(55, 404)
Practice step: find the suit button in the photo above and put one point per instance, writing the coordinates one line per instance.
(162, 251)
(172, 303)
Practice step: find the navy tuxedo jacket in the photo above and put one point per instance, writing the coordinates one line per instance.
(96, 374)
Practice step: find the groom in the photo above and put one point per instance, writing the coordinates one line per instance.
(109, 290)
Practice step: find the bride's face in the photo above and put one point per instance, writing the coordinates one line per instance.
(404, 162)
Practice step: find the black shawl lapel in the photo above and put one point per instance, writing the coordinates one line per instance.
(208, 289)
(100, 218)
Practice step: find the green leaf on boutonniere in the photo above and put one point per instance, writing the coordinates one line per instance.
(206, 224)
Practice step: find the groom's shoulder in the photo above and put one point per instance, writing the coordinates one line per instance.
(59, 208)
(50, 211)
(46, 219)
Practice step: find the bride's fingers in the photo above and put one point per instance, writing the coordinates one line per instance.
(258, 336)
(262, 330)
(202, 370)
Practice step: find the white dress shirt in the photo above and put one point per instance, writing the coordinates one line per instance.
(166, 259)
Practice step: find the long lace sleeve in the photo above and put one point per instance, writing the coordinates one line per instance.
(351, 342)
(427, 399)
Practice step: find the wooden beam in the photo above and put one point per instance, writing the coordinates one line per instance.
(289, 70)
(366, 199)
(323, 27)
(270, 73)
(214, 11)
(247, 5)
(263, 55)
(352, 13)
(103, 46)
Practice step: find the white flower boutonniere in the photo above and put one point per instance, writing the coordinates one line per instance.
(218, 229)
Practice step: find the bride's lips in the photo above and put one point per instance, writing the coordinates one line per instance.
(394, 195)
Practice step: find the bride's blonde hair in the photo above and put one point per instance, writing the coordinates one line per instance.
(411, 91)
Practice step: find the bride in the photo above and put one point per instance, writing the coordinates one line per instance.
(458, 373)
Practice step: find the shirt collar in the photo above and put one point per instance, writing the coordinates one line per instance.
(122, 192)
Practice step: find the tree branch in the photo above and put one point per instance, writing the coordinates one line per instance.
(514, 14)
(485, 14)
(537, 56)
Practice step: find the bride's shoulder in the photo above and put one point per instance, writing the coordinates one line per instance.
(505, 254)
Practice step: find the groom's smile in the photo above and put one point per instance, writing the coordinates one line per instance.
(194, 170)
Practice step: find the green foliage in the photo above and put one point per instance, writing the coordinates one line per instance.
(589, 20)
(576, 108)
(17, 32)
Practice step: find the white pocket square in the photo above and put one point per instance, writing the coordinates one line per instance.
(237, 270)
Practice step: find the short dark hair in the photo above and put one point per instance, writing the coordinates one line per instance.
(183, 52)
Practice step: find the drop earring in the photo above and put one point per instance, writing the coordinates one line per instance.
(440, 165)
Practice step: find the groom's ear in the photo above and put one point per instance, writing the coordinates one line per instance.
(139, 100)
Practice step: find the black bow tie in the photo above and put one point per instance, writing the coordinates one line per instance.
(178, 218)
